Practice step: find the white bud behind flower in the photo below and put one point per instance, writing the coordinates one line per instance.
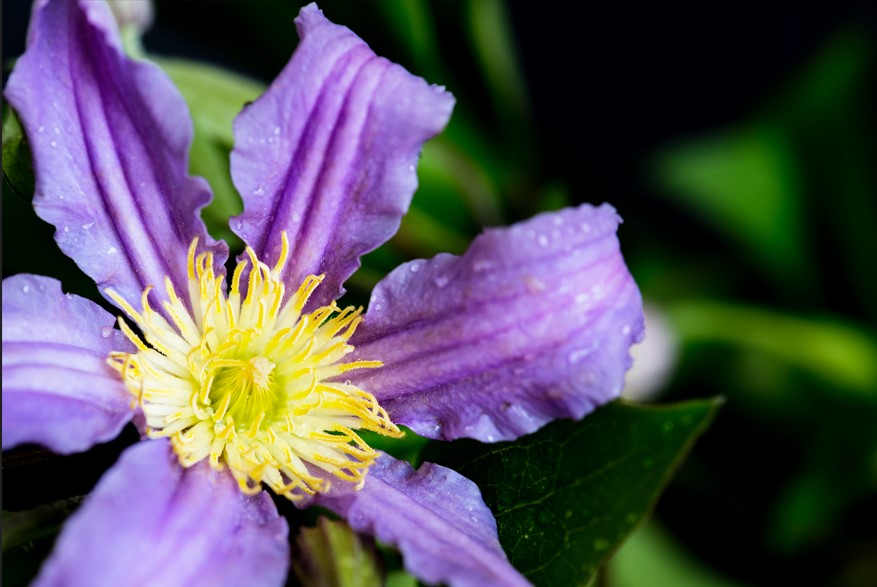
(132, 14)
(654, 359)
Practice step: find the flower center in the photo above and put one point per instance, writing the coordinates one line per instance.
(250, 382)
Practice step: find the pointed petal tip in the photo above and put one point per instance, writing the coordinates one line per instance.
(534, 322)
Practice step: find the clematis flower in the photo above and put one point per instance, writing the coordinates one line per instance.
(260, 380)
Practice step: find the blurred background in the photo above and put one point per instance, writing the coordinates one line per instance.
(738, 141)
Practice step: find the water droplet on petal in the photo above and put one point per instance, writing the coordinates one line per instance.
(112, 251)
(296, 217)
(25, 288)
(625, 330)
(41, 129)
(87, 226)
(441, 281)
(542, 240)
(106, 331)
(53, 143)
(414, 267)
(68, 295)
(276, 130)
(259, 191)
(66, 229)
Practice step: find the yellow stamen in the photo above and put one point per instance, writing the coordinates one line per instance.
(245, 383)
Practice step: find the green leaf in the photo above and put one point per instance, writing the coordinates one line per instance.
(744, 183)
(17, 166)
(651, 557)
(215, 96)
(333, 555)
(567, 496)
(839, 354)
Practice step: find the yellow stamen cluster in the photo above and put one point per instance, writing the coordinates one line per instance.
(252, 383)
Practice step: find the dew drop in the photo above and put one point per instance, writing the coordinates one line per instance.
(259, 191)
(41, 129)
(625, 330)
(239, 225)
(88, 225)
(578, 355)
(25, 288)
(558, 221)
(411, 168)
(414, 267)
(112, 251)
(53, 143)
(586, 228)
(68, 295)
(66, 229)
(583, 298)
(296, 217)
(57, 130)
(276, 130)
(542, 240)
(106, 331)
(441, 281)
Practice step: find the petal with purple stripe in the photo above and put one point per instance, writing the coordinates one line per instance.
(110, 139)
(58, 390)
(150, 522)
(436, 518)
(533, 323)
(329, 154)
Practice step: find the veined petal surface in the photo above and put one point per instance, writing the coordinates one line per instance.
(436, 518)
(532, 323)
(151, 522)
(110, 139)
(58, 390)
(329, 154)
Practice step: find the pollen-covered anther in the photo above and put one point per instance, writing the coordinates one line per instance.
(249, 382)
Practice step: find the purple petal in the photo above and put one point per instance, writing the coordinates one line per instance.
(436, 518)
(150, 522)
(329, 154)
(109, 138)
(58, 390)
(533, 323)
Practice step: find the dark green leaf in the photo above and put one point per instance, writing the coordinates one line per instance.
(17, 167)
(567, 496)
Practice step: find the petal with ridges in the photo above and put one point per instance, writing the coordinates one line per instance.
(58, 390)
(110, 139)
(329, 154)
(436, 518)
(533, 323)
(150, 522)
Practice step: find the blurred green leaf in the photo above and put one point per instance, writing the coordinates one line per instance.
(495, 50)
(412, 23)
(333, 555)
(828, 113)
(744, 183)
(567, 496)
(215, 97)
(651, 557)
(837, 353)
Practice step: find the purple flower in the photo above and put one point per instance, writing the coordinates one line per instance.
(262, 379)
